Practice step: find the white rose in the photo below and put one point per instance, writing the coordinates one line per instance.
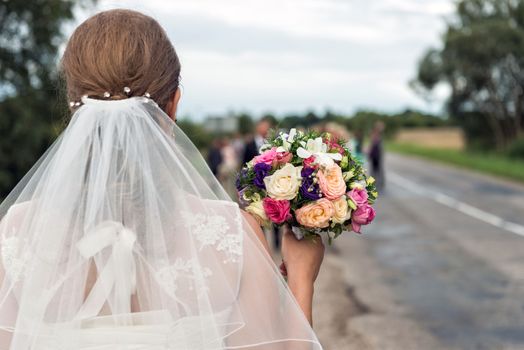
(342, 212)
(284, 183)
(257, 210)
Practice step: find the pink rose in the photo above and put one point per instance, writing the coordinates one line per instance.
(359, 196)
(267, 157)
(333, 145)
(316, 214)
(277, 210)
(331, 182)
(363, 215)
(282, 158)
(309, 163)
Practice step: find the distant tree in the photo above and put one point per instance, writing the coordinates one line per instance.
(482, 61)
(330, 116)
(307, 120)
(273, 121)
(413, 119)
(291, 121)
(363, 121)
(196, 132)
(245, 124)
(31, 114)
(311, 119)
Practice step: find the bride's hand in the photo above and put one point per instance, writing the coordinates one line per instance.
(302, 259)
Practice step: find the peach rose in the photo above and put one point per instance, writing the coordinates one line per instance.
(331, 182)
(316, 214)
(342, 212)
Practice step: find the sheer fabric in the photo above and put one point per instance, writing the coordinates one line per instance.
(121, 238)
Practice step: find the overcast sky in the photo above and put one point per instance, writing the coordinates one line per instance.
(286, 56)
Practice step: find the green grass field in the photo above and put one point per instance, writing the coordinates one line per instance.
(488, 163)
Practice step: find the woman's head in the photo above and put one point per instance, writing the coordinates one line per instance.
(121, 48)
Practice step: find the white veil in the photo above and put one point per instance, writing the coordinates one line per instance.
(121, 238)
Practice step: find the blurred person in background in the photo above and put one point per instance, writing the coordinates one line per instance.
(228, 166)
(376, 154)
(214, 156)
(337, 131)
(357, 145)
(239, 145)
(252, 147)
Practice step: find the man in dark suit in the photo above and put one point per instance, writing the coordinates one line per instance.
(261, 132)
(214, 157)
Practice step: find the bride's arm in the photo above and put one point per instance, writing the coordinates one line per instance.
(302, 260)
(258, 231)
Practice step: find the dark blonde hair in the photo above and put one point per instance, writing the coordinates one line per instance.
(116, 49)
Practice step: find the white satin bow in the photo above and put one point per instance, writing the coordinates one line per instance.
(119, 272)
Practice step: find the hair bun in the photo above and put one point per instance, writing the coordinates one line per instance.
(122, 53)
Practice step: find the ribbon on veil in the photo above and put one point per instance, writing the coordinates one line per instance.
(119, 272)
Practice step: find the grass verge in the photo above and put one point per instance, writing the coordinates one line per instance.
(488, 163)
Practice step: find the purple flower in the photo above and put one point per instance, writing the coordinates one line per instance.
(309, 189)
(240, 176)
(261, 171)
(243, 202)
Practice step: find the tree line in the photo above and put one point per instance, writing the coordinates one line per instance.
(33, 107)
(360, 122)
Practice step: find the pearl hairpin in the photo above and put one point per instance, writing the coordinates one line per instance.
(106, 94)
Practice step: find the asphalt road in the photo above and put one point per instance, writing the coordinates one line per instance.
(442, 267)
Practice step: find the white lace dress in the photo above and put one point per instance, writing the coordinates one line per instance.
(155, 329)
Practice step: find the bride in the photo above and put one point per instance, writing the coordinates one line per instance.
(121, 238)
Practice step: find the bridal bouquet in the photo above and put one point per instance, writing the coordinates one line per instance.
(310, 181)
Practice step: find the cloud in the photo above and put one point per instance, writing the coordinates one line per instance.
(289, 56)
